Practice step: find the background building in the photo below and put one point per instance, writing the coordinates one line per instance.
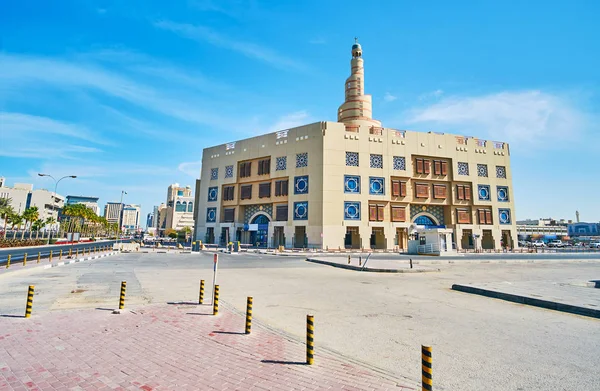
(354, 184)
(112, 212)
(161, 220)
(131, 218)
(180, 207)
(90, 202)
(23, 197)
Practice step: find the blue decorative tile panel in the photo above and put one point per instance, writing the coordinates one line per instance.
(376, 185)
(214, 173)
(352, 159)
(211, 215)
(502, 193)
(482, 170)
(301, 184)
(351, 210)
(463, 168)
(399, 163)
(501, 172)
(504, 216)
(301, 210)
(281, 163)
(376, 161)
(484, 192)
(351, 184)
(228, 171)
(213, 193)
(302, 160)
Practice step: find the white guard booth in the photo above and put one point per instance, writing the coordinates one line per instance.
(430, 241)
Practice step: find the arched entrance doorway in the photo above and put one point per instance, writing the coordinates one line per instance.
(425, 220)
(260, 237)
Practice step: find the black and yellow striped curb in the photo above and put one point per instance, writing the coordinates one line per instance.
(550, 305)
(369, 269)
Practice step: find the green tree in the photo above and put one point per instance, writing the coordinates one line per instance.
(15, 219)
(5, 210)
(31, 215)
(170, 232)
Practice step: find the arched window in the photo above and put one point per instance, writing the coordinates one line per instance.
(425, 220)
(190, 207)
(179, 207)
(260, 219)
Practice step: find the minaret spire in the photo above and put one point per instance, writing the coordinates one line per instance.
(357, 107)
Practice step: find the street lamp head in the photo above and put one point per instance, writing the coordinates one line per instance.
(72, 176)
(42, 174)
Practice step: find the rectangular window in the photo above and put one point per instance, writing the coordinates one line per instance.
(245, 169)
(281, 213)
(485, 216)
(422, 191)
(281, 188)
(463, 192)
(427, 167)
(437, 167)
(439, 191)
(398, 188)
(398, 213)
(228, 193)
(420, 166)
(246, 192)
(229, 215)
(264, 190)
(264, 167)
(376, 212)
(463, 216)
(444, 168)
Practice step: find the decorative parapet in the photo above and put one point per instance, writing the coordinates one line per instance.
(480, 143)
(229, 146)
(461, 140)
(352, 128)
(398, 133)
(498, 145)
(376, 130)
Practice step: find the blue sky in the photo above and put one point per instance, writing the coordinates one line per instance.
(126, 94)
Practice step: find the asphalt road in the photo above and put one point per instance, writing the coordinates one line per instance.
(17, 254)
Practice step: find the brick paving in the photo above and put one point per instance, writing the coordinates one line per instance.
(168, 347)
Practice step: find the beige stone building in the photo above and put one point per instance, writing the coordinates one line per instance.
(180, 207)
(356, 184)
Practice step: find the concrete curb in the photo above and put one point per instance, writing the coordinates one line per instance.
(70, 261)
(368, 269)
(550, 305)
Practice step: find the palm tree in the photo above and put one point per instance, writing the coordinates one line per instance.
(5, 210)
(15, 219)
(30, 215)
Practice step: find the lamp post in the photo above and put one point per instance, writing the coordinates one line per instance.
(56, 182)
(121, 214)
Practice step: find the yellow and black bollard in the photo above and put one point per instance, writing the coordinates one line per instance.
(348, 259)
(60, 255)
(249, 315)
(426, 376)
(39, 257)
(310, 339)
(76, 253)
(50, 259)
(70, 252)
(25, 259)
(359, 261)
(29, 301)
(216, 301)
(122, 297)
(8, 261)
(201, 297)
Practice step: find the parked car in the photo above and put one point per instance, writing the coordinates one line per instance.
(594, 244)
(538, 243)
(556, 243)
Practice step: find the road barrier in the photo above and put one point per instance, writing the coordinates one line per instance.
(426, 376)
(122, 297)
(8, 262)
(29, 301)
(25, 259)
(249, 314)
(216, 301)
(201, 297)
(310, 339)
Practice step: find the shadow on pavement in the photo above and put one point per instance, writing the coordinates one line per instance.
(229, 332)
(105, 309)
(182, 303)
(195, 313)
(283, 362)
(12, 316)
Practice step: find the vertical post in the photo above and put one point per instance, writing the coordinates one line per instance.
(216, 301)
(60, 255)
(360, 261)
(426, 376)
(348, 259)
(215, 261)
(50, 259)
(411, 266)
(70, 252)
(76, 252)
(122, 297)
(25, 259)
(8, 262)
(201, 298)
(310, 341)
(249, 315)
(39, 257)
(29, 301)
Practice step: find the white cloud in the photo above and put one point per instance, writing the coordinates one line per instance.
(205, 34)
(191, 168)
(431, 95)
(290, 120)
(389, 97)
(533, 118)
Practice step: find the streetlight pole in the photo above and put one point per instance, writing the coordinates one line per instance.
(56, 182)
(121, 214)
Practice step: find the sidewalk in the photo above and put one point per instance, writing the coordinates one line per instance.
(168, 347)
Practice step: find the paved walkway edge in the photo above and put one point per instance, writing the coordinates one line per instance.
(550, 305)
(369, 269)
(70, 261)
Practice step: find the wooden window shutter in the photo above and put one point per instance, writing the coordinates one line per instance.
(281, 213)
(398, 213)
(463, 216)
(229, 215)
(267, 166)
(248, 168)
(380, 212)
(427, 167)
(437, 167)
(264, 190)
(395, 188)
(488, 217)
(481, 214)
(420, 168)
(402, 189)
(468, 193)
(246, 192)
(460, 192)
(373, 212)
(422, 191)
(242, 170)
(439, 191)
(444, 168)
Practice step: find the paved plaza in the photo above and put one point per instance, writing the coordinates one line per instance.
(368, 326)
